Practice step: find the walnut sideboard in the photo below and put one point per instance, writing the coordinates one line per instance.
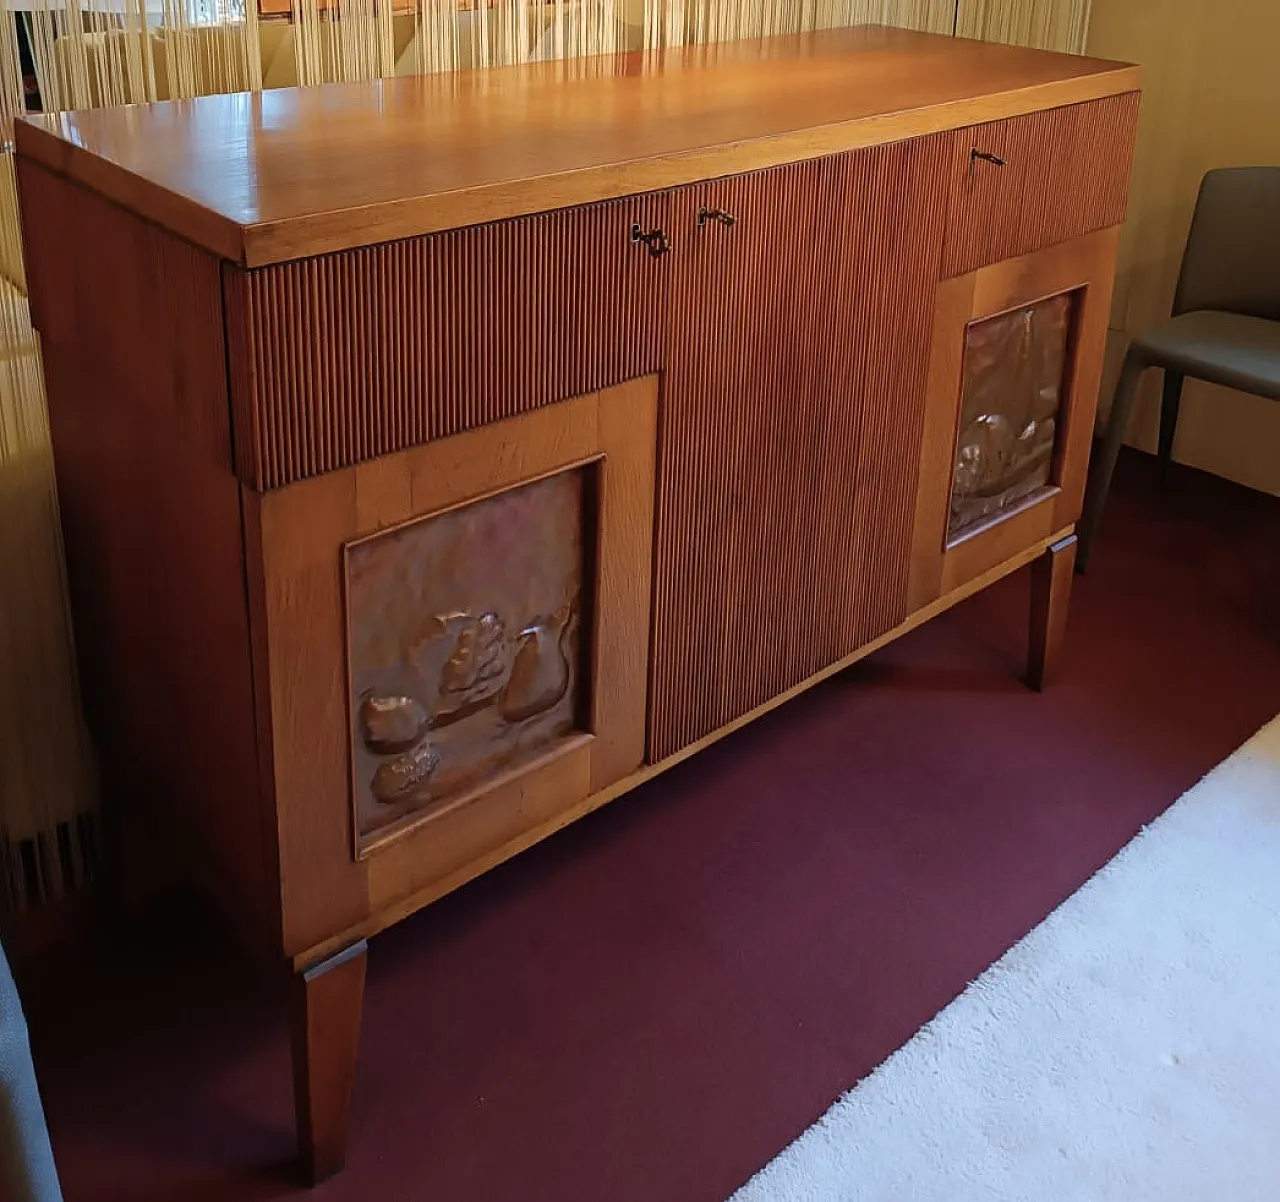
(441, 458)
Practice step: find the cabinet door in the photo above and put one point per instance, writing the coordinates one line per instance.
(1017, 362)
(791, 425)
(452, 652)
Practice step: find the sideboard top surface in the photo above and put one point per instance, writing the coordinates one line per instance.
(269, 176)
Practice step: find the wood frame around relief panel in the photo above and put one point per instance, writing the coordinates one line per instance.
(1085, 265)
(297, 538)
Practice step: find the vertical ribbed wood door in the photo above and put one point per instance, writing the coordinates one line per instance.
(792, 418)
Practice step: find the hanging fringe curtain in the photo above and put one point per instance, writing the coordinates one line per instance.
(100, 52)
(725, 20)
(46, 779)
(1048, 24)
(85, 53)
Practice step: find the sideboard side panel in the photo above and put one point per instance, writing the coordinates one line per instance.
(339, 359)
(793, 413)
(131, 328)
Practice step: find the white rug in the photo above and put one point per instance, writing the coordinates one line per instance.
(1127, 1050)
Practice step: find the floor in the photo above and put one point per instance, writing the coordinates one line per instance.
(649, 1006)
(1127, 1050)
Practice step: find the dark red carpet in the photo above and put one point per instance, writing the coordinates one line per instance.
(652, 1004)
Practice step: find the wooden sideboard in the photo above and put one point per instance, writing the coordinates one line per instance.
(442, 458)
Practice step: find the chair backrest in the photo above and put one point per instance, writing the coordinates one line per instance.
(1232, 261)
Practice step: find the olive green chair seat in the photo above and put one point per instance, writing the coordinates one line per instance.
(1223, 348)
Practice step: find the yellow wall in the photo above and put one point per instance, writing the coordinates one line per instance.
(1212, 99)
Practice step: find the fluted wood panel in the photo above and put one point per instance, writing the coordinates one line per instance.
(1066, 173)
(341, 358)
(792, 419)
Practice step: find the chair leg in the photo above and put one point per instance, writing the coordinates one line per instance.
(1169, 409)
(327, 1003)
(1105, 464)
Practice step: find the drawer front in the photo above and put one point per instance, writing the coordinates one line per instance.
(339, 359)
(1022, 184)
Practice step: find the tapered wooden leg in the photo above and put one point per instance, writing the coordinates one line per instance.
(326, 1005)
(1051, 577)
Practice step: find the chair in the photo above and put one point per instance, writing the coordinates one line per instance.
(1226, 318)
(27, 1172)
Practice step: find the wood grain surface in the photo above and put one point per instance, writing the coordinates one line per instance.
(330, 877)
(342, 358)
(793, 412)
(1061, 173)
(1084, 267)
(282, 174)
(135, 374)
(1051, 579)
(326, 1004)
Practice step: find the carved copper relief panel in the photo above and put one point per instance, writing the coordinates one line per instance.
(465, 644)
(1014, 381)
